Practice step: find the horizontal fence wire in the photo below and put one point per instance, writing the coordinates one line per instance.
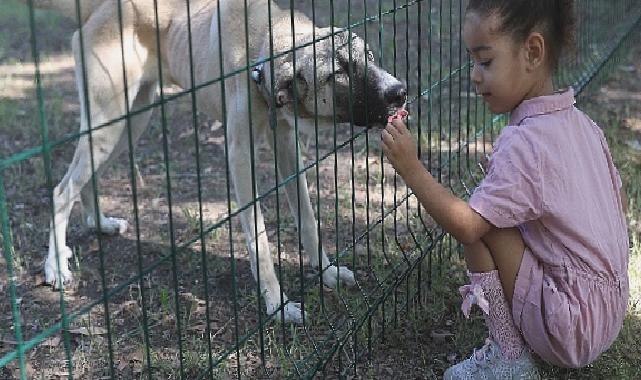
(176, 295)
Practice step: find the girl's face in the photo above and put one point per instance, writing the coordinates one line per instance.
(503, 72)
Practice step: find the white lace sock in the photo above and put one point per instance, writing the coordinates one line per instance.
(485, 289)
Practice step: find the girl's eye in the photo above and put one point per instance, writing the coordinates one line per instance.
(484, 64)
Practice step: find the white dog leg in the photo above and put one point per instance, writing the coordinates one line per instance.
(138, 123)
(287, 158)
(253, 223)
(260, 257)
(108, 225)
(106, 99)
(56, 266)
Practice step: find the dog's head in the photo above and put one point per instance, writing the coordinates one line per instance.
(322, 75)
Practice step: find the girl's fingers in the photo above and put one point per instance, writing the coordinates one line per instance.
(387, 142)
(385, 149)
(386, 136)
(400, 126)
(392, 132)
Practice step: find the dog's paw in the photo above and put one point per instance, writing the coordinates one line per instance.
(109, 225)
(59, 279)
(291, 312)
(333, 274)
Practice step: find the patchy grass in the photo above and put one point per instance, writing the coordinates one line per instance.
(53, 32)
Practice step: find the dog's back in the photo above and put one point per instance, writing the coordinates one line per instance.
(146, 10)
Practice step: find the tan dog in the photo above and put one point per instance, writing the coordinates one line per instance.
(100, 65)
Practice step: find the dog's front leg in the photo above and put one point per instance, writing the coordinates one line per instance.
(262, 266)
(298, 194)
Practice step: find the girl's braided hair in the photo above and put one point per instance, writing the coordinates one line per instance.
(554, 19)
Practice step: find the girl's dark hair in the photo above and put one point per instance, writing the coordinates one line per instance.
(555, 19)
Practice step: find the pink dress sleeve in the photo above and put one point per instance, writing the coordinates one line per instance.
(614, 172)
(510, 194)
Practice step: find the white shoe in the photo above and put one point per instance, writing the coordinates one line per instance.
(488, 363)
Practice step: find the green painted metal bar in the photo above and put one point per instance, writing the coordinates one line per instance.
(13, 294)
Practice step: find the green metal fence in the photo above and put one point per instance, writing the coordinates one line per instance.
(174, 297)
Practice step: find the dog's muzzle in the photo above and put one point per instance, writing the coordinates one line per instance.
(396, 95)
(391, 100)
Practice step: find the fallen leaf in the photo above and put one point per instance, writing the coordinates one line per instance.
(185, 134)
(53, 341)
(8, 341)
(634, 144)
(215, 125)
(89, 331)
(201, 328)
(440, 334)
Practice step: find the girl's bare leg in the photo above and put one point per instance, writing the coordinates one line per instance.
(502, 249)
(493, 263)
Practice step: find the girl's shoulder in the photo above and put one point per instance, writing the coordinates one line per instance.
(543, 106)
(555, 128)
(518, 141)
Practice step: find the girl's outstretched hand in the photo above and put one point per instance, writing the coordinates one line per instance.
(399, 147)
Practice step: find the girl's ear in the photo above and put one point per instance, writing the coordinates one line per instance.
(535, 50)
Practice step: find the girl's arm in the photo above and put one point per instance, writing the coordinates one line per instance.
(451, 212)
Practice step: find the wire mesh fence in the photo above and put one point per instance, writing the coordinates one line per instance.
(176, 294)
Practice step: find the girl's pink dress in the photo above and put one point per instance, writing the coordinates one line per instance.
(552, 176)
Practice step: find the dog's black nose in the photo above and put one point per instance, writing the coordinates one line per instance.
(396, 95)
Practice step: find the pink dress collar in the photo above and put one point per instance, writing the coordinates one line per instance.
(541, 105)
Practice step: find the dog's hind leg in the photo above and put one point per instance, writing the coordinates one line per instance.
(298, 194)
(138, 124)
(106, 101)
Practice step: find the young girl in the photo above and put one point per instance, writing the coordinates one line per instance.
(544, 233)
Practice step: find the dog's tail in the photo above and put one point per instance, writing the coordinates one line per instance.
(67, 8)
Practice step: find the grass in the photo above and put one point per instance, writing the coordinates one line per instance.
(49, 25)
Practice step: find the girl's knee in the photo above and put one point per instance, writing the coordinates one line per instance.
(478, 257)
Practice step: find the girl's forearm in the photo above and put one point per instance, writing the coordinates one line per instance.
(449, 211)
